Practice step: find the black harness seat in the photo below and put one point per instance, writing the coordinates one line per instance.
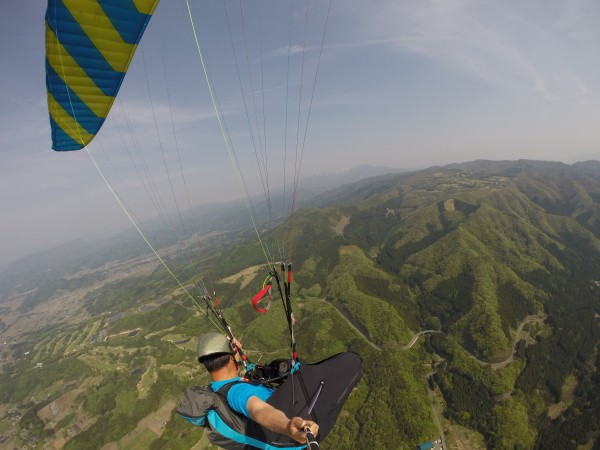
(324, 385)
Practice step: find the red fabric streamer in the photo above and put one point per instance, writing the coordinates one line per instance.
(259, 296)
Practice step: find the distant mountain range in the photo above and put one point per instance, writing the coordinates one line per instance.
(492, 231)
(63, 258)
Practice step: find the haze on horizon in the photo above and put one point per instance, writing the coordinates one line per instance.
(400, 84)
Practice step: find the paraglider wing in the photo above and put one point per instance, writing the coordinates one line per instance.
(89, 45)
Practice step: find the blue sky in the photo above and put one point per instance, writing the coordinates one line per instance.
(404, 84)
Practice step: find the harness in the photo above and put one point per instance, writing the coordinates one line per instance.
(315, 391)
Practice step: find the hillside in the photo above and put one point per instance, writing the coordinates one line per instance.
(475, 249)
(497, 263)
(504, 259)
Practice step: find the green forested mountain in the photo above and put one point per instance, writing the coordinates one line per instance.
(474, 250)
(499, 262)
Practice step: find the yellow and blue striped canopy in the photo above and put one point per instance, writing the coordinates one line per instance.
(89, 45)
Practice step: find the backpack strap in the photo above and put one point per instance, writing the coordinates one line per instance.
(225, 427)
(223, 391)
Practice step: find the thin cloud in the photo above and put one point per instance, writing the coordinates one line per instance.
(490, 42)
(287, 50)
(345, 100)
(142, 114)
(580, 18)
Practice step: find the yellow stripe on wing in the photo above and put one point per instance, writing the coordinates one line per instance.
(69, 125)
(97, 26)
(75, 77)
(146, 6)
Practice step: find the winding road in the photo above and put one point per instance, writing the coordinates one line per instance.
(505, 362)
(411, 342)
(354, 327)
(415, 336)
(495, 365)
(535, 318)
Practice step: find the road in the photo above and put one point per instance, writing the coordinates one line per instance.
(415, 336)
(432, 395)
(354, 327)
(435, 402)
(509, 358)
(411, 342)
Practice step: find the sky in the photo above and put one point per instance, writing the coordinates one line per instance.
(402, 84)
